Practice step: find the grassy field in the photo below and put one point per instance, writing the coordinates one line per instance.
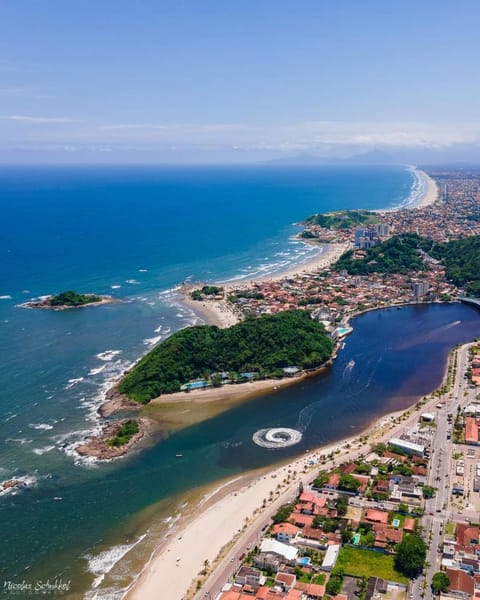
(366, 563)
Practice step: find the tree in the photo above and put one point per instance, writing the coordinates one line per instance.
(342, 506)
(410, 556)
(349, 483)
(321, 479)
(428, 491)
(440, 582)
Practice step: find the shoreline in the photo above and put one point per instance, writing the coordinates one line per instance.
(242, 504)
(221, 313)
(236, 506)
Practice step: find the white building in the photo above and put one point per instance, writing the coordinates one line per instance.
(331, 556)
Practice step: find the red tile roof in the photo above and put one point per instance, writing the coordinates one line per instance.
(471, 429)
(409, 524)
(376, 516)
(460, 581)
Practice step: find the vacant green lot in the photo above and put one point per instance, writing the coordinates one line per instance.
(366, 563)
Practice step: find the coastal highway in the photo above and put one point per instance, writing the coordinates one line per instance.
(436, 508)
(435, 515)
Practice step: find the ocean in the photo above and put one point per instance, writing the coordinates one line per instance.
(137, 233)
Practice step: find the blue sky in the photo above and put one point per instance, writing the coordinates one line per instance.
(235, 81)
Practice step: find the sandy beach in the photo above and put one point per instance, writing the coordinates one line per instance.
(222, 314)
(236, 512)
(431, 195)
(240, 509)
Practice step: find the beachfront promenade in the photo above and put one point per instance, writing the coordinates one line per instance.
(236, 520)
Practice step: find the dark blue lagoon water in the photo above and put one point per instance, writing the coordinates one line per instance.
(137, 233)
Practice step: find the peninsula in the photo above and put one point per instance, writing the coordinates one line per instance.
(271, 346)
(68, 299)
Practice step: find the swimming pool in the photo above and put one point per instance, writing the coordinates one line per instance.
(396, 522)
(356, 539)
(305, 560)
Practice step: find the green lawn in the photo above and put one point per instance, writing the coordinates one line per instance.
(359, 563)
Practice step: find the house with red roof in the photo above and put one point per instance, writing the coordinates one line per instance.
(284, 532)
(472, 426)
(461, 583)
(376, 516)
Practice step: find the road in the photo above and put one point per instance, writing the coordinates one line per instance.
(435, 511)
(439, 476)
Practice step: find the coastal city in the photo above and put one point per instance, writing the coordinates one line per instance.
(240, 300)
(390, 515)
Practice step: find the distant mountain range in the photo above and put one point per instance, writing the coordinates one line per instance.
(458, 154)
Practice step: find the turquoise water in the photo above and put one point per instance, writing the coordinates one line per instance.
(137, 233)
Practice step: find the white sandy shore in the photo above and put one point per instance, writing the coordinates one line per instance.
(222, 313)
(210, 530)
(171, 572)
(431, 194)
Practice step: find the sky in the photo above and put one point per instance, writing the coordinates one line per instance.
(224, 81)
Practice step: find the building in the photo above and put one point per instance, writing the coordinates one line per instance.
(420, 288)
(408, 447)
(472, 427)
(330, 558)
(273, 554)
(249, 576)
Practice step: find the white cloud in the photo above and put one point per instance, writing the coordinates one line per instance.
(37, 120)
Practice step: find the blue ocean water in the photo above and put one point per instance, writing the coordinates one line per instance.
(137, 233)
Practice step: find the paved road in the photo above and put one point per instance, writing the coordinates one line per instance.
(437, 509)
(437, 506)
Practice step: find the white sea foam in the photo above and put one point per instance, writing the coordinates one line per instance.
(5, 297)
(143, 270)
(132, 281)
(41, 426)
(25, 481)
(43, 450)
(96, 370)
(115, 287)
(102, 563)
(152, 341)
(10, 417)
(20, 441)
(108, 355)
(73, 382)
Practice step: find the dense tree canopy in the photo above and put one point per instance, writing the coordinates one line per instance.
(263, 345)
(343, 219)
(462, 262)
(400, 254)
(440, 582)
(71, 298)
(411, 555)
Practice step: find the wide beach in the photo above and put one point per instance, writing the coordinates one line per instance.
(244, 505)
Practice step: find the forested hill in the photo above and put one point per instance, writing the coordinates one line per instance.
(462, 263)
(343, 219)
(263, 345)
(399, 254)
(403, 254)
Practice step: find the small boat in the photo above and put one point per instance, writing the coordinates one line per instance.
(57, 498)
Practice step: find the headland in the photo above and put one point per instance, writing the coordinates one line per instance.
(239, 507)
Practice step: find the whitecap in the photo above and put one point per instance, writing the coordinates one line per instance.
(6, 297)
(101, 564)
(108, 355)
(72, 382)
(142, 270)
(43, 450)
(132, 281)
(115, 287)
(97, 370)
(152, 341)
(41, 426)
(10, 417)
